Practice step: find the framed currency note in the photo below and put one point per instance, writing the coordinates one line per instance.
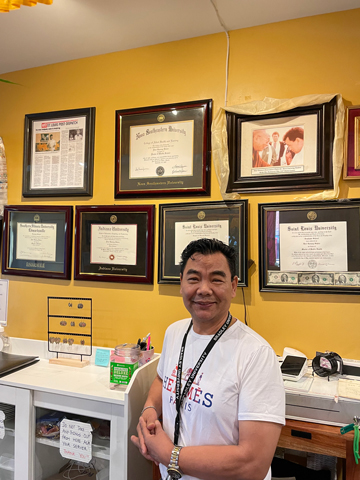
(179, 224)
(311, 247)
(37, 241)
(282, 151)
(59, 153)
(352, 154)
(114, 243)
(163, 150)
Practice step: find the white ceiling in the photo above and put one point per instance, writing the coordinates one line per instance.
(71, 29)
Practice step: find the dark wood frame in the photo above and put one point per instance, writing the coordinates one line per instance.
(190, 211)
(352, 144)
(66, 234)
(198, 183)
(89, 142)
(321, 179)
(87, 214)
(346, 210)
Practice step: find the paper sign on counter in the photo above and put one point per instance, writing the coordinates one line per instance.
(76, 440)
(2, 425)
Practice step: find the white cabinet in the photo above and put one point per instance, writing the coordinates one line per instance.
(15, 447)
(76, 392)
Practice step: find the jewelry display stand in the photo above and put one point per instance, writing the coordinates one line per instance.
(70, 330)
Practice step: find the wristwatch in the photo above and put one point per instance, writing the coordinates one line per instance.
(173, 468)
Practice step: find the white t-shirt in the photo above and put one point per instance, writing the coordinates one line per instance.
(239, 380)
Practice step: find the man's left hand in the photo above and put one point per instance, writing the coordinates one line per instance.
(158, 444)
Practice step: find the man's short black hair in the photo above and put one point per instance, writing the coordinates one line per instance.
(294, 133)
(207, 246)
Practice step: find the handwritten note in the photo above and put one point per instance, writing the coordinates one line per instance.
(76, 440)
(2, 425)
(349, 389)
(102, 357)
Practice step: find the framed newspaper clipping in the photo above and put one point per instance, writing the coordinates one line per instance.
(163, 150)
(290, 150)
(115, 243)
(180, 224)
(59, 153)
(310, 247)
(37, 241)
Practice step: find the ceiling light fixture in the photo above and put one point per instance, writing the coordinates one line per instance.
(7, 5)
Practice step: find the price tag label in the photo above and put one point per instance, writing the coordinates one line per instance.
(2, 425)
(76, 440)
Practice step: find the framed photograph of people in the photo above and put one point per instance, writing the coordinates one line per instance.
(282, 151)
(37, 241)
(311, 247)
(352, 154)
(179, 224)
(59, 153)
(114, 243)
(163, 150)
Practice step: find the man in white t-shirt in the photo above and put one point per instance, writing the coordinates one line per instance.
(219, 388)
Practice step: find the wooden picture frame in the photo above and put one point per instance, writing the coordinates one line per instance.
(59, 153)
(37, 241)
(163, 150)
(300, 158)
(114, 243)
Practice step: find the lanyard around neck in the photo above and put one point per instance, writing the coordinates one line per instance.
(180, 396)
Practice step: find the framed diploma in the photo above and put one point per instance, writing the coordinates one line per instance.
(163, 150)
(37, 241)
(114, 243)
(59, 153)
(311, 247)
(283, 151)
(180, 224)
(352, 154)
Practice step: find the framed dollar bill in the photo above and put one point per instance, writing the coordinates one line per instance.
(59, 153)
(163, 150)
(179, 224)
(282, 151)
(311, 247)
(114, 243)
(37, 241)
(352, 154)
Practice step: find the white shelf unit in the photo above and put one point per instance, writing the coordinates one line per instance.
(47, 387)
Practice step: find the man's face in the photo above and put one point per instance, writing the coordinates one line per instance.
(260, 139)
(207, 288)
(296, 145)
(275, 137)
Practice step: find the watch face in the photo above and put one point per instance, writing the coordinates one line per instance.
(173, 472)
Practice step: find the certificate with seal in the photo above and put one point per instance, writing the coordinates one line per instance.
(180, 224)
(37, 241)
(312, 247)
(164, 149)
(114, 243)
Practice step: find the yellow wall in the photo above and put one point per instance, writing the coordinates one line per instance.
(311, 55)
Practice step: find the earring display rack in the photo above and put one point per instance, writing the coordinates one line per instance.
(70, 329)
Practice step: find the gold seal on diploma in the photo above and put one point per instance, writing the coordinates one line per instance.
(312, 215)
(36, 218)
(113, 219)
(161, 117)
(201, 215)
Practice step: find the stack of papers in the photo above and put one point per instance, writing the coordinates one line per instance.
(349, 389)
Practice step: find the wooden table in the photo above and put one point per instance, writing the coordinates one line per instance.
(323, 439)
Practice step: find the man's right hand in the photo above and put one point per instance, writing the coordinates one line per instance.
(149, 415)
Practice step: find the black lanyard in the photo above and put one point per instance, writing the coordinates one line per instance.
(180, 396)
